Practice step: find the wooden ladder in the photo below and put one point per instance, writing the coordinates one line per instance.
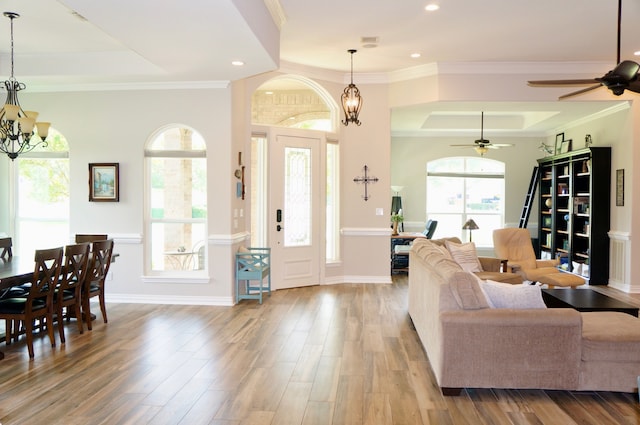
(528, 200)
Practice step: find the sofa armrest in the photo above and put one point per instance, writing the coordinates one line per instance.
(492, 264)
(508, 348)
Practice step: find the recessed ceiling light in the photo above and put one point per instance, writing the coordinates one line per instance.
(237, 63)
(415, 55)
(431, 7)
(637, 53)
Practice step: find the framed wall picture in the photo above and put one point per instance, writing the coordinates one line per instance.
(565, 146)
(620, 188)
(104, 182)
(559, 140)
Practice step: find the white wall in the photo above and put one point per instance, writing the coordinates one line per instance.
(113, 126)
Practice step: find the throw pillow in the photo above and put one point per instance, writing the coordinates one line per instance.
(467, 293)
(465, 255)
(506, 295)
(577, 267)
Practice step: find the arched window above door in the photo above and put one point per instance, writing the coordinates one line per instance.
(293, 101)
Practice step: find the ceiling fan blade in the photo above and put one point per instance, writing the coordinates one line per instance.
(575, 93)
(634, 86)
(464, 146)
(500, 145)
(576, 82)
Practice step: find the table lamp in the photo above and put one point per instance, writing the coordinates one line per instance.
(470, 225)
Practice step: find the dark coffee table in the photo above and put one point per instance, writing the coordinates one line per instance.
(585, 300)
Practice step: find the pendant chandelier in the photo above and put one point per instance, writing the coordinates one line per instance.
(351, 100)
(17, 127)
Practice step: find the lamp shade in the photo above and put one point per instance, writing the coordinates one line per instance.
(470, 225)
(396, 204)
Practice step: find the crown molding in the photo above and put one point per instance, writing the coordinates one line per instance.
(168, 85)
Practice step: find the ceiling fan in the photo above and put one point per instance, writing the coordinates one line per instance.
(482, 145)
(623, 77)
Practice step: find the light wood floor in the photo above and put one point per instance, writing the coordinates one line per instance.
(344, 354)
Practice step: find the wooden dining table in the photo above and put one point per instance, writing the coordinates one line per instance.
(16, 271)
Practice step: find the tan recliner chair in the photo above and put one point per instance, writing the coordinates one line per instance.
(514, 245)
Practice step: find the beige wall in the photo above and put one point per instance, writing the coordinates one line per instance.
(409, 158)
(113, 126)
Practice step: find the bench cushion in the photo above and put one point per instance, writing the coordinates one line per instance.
(610, 336)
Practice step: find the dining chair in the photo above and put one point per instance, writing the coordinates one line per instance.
(100, 260)
(68, 294)
(430, 228)
(38, 303)
(85, 237)
(5, 248)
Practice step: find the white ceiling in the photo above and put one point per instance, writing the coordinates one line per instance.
(79, 43)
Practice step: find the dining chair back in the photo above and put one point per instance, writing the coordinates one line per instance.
(68, 294)
(38, 303)
(430, 228)
(84, 237)
(6, 251)
(100, 261)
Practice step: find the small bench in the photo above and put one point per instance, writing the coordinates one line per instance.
(561, 279)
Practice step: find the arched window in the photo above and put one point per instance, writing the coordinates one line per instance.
(460, 188)
(42, 196)
(293, 101)
(176, 201)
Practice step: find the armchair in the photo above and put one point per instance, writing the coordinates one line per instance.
(514, 244)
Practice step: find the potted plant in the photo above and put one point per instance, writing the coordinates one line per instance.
(396, 218)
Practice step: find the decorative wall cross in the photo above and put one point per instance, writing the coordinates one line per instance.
(366, 179)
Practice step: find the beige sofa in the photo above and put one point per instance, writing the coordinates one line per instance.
(470, 345)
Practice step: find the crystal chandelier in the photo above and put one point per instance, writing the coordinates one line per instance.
(351, 100)
(17, 126)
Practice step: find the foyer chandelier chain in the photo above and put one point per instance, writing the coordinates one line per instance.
(351, 100)
(18, 127)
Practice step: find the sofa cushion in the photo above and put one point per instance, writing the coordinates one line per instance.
(610, 336)
(466, 290)
(507, 295)
(465, 255)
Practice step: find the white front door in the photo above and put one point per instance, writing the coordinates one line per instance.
(296, 204)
